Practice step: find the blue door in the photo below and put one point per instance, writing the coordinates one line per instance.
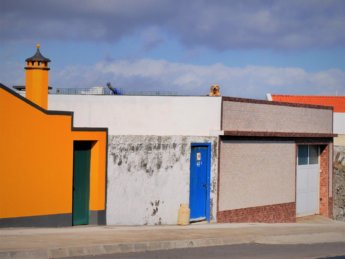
(199, 182)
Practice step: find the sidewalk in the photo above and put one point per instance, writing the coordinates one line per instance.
(92, 240)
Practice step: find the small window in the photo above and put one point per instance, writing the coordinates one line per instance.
(308, 155)
(313, 155)
(303, 155)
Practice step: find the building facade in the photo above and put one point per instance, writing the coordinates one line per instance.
(264, 152)
(52, 173)
(251, 147)
(151, 141)
(338, 104)
(133, 160)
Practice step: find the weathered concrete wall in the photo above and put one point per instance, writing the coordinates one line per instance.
(148, 178)
(143, 115)
(256, 173)
(339, 183)
(243, 116)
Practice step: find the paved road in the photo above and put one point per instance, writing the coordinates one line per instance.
(328, 250)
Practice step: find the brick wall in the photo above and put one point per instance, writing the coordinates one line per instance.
(277, 213)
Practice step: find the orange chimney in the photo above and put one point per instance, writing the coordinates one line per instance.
(36, 85)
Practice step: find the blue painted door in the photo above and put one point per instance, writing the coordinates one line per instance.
(198, 183)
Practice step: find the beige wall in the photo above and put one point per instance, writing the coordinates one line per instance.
(242, 116)
(340, 140)
(256, 173)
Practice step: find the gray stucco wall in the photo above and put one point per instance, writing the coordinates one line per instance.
(256, 173)
(242, 116)
(339, 183)
(148, 178)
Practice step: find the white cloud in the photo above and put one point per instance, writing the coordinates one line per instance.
(161, 75)
(278, 24)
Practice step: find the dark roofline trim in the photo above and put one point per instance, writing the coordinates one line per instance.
(246, 100)
(48, 112)
(23, 87)
(278, 134)
(89, 129)
(298, 141)
(37, 68)
(38, 57)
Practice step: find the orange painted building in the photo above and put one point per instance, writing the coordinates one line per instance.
(337, 102)
(51, 173)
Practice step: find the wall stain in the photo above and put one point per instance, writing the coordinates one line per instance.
(114, 157)
(213, 184)
(146, 157)
(120, 162)
(151, 155)
(155, 206)
(211, 208)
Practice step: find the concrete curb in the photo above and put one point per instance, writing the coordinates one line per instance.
(120, 248)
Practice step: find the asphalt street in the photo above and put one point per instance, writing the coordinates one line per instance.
(253, 250)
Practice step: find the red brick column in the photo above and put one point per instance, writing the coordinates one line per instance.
(324, 182)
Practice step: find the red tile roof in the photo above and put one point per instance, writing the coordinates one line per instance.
(337, 102)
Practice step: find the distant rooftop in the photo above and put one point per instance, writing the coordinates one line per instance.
(107, 91)
(337, 102)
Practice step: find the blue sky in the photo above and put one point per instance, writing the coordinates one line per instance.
(248, 47)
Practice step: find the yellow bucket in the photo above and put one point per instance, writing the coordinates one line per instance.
(183, 215)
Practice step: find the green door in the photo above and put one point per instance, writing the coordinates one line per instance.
(81, 182)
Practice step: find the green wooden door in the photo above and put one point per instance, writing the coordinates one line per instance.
(81, 182)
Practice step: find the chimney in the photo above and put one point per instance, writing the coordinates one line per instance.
(36, 81)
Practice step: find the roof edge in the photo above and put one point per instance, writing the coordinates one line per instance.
(278, 134)
(257, 101)
(50, 112)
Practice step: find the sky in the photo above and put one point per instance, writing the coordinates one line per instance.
(248, 47)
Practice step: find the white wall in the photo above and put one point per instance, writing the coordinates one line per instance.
(339, 123)
(143, 115)
(148, 150)
(149, 177)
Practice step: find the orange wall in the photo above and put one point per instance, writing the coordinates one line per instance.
(98, 166)
(35, 78)
(37, 161)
